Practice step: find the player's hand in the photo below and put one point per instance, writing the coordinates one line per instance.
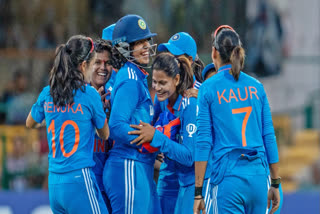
(192, 92)
(160, 157)
(145, 132)
(199, 205)
(274, 196)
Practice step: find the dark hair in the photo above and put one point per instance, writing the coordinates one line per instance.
(197, 67)
(173, 66)
(228, 44)
(65, 77)
(103, 45)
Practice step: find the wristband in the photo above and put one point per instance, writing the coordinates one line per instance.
(198, 191)
(275, 182)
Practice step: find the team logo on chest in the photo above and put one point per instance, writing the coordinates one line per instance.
(191, 129)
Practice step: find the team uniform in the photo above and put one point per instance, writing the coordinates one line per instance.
(72, 184)
(128, 173)
(236, 114)
(168, 183)
(100, 155)
(181, 155)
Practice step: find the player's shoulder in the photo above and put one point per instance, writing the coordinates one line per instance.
(188, 102)
(250, 78)
(45, 91)
(127, 72)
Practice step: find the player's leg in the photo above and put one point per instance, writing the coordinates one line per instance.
(227, 197)
(128, 185)
(54, 204)
(84, 196)
(155, 205)
(256, 197)
(168, 186)
(185, 198)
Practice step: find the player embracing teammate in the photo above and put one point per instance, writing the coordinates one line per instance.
(227, 125)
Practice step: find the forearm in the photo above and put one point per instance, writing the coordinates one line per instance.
(200, 170)
(175, 151)
(274, 170)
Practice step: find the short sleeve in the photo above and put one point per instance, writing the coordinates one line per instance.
(37, 110)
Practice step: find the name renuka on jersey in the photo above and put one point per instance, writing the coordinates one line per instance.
(228, 95)
(49, 107)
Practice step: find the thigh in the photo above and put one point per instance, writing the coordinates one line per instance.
(185, 201)
(55, 206)
(256, 199)
(227, 197)
(128, 186)
(84, 196)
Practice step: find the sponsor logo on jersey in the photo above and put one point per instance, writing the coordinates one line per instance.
(191, 129)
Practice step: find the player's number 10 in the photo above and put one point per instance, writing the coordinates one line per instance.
(76, 141)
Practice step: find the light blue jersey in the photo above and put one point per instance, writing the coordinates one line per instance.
(168, 183)
(130, 103)
(70, 130)
(235, 126)
(183, 154)
(128, 174)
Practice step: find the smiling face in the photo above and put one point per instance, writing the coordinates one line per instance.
(141, 51)
(164, 85)
(101, 69)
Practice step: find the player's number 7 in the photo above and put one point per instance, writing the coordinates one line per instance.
(51, 128)
(248, 111)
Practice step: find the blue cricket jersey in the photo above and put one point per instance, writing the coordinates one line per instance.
(182, 153)
(70, 129)
(168, 183)
(109, 85)
(236, 114)
(101, 149)
(131, 102)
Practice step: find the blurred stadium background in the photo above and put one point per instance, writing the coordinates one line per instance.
(282, 42)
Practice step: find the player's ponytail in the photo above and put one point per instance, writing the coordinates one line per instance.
(197, 67)
(237, 61)
(227, 42)
(65, 76)
(186, 75)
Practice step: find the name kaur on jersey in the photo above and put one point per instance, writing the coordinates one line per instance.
(237, 97)
(49, 107)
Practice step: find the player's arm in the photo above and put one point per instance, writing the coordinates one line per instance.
(270, 145)
(35, 118)
(31, 123)
(124, 104)
(203, 147)
(99, 117)
(104, 132)
(147, 133)
(182, 153)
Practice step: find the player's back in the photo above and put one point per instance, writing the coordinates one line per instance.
(71, 129)
(236, 112)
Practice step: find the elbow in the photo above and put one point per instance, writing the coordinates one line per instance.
(190, 162)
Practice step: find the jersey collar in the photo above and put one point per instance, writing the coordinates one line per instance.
(225, 68)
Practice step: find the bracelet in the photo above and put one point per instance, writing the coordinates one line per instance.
(198, 191)
(275, 182)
